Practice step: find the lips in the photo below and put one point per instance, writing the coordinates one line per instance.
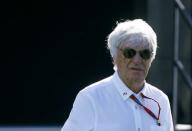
(136, 69)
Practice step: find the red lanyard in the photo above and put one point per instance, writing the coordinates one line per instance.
(146, 109)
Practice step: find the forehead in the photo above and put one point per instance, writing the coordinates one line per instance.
(136, 43)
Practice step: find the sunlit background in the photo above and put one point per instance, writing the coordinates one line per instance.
(52, 49)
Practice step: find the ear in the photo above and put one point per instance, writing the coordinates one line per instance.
(113, 60)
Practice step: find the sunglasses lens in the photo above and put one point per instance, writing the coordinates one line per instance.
(145, 54)
(129, 53)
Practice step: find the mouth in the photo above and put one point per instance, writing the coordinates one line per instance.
(136, 69)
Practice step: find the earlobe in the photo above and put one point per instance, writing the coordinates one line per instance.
(114, 61)
(114, 64)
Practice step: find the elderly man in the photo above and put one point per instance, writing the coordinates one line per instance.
(124, 101)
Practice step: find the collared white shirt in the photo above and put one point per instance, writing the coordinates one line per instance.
(106, 106)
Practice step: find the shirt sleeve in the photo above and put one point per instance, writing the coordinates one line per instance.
(82, 116)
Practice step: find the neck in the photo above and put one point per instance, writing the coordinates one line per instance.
(136, 87)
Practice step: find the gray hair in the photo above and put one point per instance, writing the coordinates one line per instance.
(132, 31)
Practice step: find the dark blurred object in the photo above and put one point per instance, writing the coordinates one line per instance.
(45, 55)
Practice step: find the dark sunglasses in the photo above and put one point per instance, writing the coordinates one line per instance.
(130, 53)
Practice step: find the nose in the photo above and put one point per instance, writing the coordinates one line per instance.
(137, 59)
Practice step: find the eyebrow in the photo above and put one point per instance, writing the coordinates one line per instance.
(136, 49)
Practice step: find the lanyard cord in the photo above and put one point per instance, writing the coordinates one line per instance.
(146, 109)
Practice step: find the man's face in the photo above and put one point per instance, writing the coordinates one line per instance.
(133, 69)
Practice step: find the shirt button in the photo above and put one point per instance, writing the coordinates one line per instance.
(136, 107)
(139, 129)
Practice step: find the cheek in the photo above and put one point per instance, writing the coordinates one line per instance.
(119, 61)
(147, 65)
(124, 63)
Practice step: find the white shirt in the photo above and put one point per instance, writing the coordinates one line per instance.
(106, 106)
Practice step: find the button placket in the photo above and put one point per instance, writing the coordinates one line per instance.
(137, 112)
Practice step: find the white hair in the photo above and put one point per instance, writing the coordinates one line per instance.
(132, 31)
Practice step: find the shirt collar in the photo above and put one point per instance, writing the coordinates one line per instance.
(122, 88)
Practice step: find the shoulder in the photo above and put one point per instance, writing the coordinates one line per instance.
(97, 87)
(155, 92)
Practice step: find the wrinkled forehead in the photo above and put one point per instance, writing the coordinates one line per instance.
(139, 42)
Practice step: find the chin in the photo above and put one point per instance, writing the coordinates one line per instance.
(138, 78)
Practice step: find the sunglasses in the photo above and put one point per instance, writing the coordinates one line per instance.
(130, 53)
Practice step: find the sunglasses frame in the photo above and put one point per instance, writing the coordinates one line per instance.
(129, 53)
